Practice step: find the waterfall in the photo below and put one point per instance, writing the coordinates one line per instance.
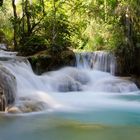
(98, 60)
(38, 93)
(31, 94)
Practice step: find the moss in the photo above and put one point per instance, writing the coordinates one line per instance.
(3, 38)
(47, 61)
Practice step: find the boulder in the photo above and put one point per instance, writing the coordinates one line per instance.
(47, 61)
(7, 88)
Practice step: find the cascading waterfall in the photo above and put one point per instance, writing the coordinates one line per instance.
(31, 89)
(98, 60)
(3, 46)
(46, 92)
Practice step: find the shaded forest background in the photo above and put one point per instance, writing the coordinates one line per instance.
(31, 26)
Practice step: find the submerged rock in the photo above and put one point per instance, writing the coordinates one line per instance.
(118, 85)
(68, 79)
(31, 106)
(26, 106)
(7, 88)
(13, 110)
(78, 75)
(66, 84)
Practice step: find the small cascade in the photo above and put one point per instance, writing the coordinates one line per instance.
(3, 46)
(7, 54)
(98, 60)
(32, 90)
(37, 93)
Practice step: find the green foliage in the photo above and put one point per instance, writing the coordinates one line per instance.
(40, 26)
(55, 25)
(5, 24)
(33, 44)
(117, 40)
(63, 31)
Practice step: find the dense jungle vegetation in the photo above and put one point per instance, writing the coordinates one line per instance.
(30, 26)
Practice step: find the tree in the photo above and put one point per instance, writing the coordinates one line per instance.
(1, 2)
(15, 23)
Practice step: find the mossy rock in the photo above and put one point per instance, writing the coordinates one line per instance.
(68, 58)
(47, 61)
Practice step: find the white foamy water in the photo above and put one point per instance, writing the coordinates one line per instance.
(98, 60)
(67, 89)
(7, 54)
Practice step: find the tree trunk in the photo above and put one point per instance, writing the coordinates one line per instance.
(15, 23)
(27, 13)
(105, 9)
(43, 6)
(23, 17)
(54, 23)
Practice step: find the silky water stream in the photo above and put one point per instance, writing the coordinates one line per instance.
(73, 103)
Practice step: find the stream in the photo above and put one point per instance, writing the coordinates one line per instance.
(72, 103)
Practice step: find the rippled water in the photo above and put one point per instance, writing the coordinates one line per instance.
(111, 121)
(53, 127)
